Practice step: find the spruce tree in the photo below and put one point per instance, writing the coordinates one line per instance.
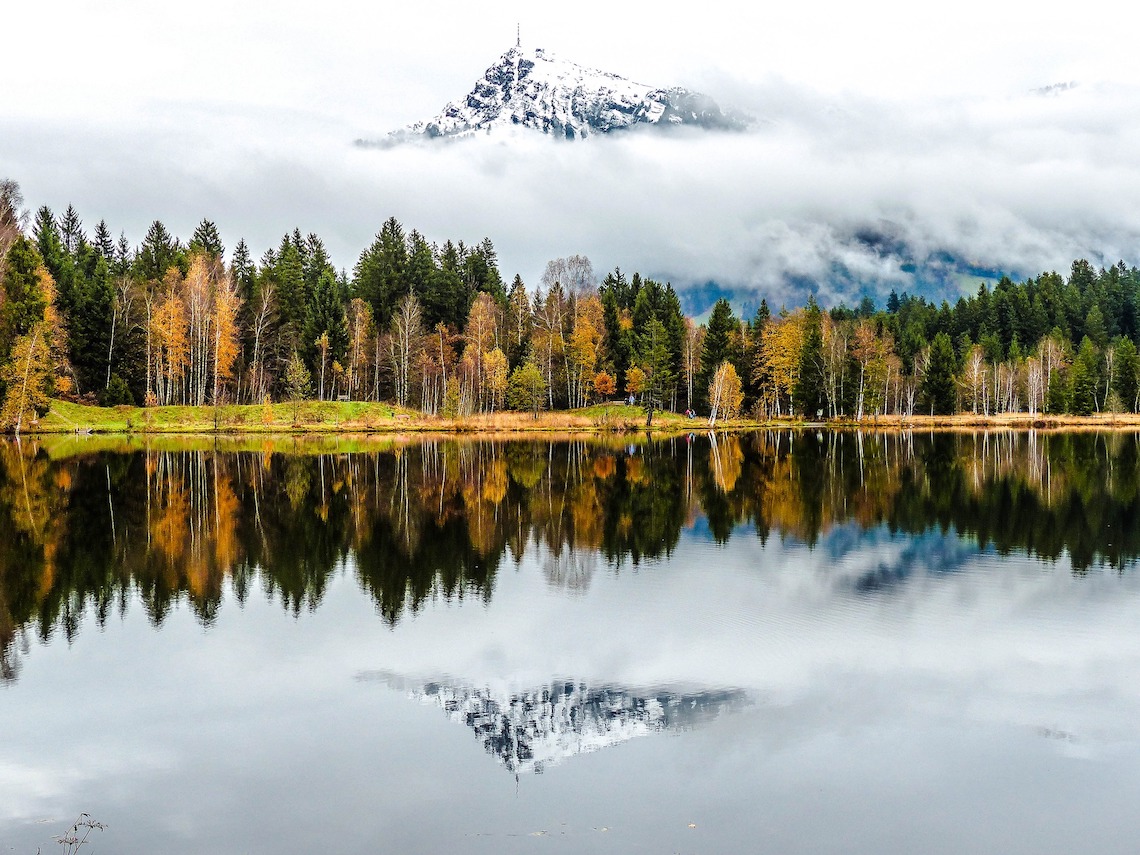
(938, 383)
(292, 301)
(1127, 379)
(49, 244)
(808, 396)
(1083, 379)
(206, 239)
(379, 277)
(24, 300)
(717, 345)
(159, 252)
(325, 316)
(243, 271)
(656, 363)
(71, 230)
(104, 244)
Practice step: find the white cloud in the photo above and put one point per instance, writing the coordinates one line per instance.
(915, 124)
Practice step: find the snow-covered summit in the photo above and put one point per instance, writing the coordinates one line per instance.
(534, 89)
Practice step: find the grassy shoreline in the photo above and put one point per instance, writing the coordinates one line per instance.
(357, 417)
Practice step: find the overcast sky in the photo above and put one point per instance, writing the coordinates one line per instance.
(916, 121)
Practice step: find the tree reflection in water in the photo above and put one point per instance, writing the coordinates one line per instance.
(87, 527)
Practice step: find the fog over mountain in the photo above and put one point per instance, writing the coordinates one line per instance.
(918, 153)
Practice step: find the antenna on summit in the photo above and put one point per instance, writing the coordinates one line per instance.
(518, 35)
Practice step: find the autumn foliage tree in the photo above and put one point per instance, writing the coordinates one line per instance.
(726, 393)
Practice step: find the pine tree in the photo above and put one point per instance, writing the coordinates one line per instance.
(938, 382)
(717, 345)
(207, 240)
(124, 257)
(808, 395)
(243, 271)
(517, 333)
(618, 346)
(104, 244)
(292, 303)
(49, 244)
(450, 288)
(24, 300)
(297, 381)
(315, 262)
(325, 320)
(1083, 379)
(158, 253)
(379, 277)
(1127, 380)
(71, 230)
(1095, 328)
(657, 365)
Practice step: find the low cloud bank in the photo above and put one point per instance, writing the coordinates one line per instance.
(836, 194)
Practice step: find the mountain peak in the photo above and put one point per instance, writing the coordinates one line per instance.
(530, 87)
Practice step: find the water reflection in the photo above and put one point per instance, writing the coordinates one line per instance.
(86, 527)
(528, 731)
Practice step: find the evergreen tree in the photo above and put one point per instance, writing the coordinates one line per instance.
(104, 244)
(243, 271)
(1127, 378)
(808, 395)
(49, 244)
(124, 257)
(1095, 328)
(439, 296)
(655, 362)
(618, 344)
(938, 382)
(379, 277)
(71, 230)
(1083, 379)
(315, 261)
(325, 320)
(449, 288)
(519, 323)
(717, 345)
(292, 301)
(206, 239)
(158, 253)
(481, 271)
(24, 300)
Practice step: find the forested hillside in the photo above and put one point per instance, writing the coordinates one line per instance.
(89, 317)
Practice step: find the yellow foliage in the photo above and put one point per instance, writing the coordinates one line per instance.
(635, 380)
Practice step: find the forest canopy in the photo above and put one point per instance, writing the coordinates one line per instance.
(89, 317)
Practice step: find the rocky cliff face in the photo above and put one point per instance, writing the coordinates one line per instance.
(532, 89)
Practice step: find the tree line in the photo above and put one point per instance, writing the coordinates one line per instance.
(435, 327)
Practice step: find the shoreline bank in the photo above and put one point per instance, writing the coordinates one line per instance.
(327, 417)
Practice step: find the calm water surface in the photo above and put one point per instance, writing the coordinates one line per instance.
(826, 643)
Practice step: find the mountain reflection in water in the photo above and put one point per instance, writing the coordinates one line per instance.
(527, 731)
(86, 527)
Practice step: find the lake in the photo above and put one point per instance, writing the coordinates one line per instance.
(825, 642)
